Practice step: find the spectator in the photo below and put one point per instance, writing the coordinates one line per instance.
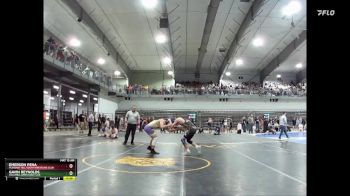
(91, 120)
(210, 123)
(244, 124)
(56, 121)
(117, 122)
(283, 125)
(76, 122)
(250, 123)
(99, 123)
(81, 121)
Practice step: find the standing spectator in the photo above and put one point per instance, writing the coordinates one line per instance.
(81, 122)
(76, 122)
(303, 121)
(210, 123)
(99, 123)
(294, 122)
(117, 121)
(283, 125)
(257, 124)
(244, 124)
(60, 53)
(91, 120)
(261, 123)
(131, 118)
(103, 121)
(140, 124)
(56, 121)
(250, 123)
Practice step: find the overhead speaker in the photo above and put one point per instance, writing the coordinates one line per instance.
(164, 23)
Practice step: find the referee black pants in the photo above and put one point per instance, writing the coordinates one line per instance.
(132, 128)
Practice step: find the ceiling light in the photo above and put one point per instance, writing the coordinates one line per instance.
(81, 101)
(63, 104)
(117, 73)
(278, 75)
(161, 38)
(52, 98)
(166, 60)
(239, 62)
(71, 98)
(95, 98)
(170, 72)
(101, 61)
(72, 92)
(149, 3)
(63, 100)
(45, 92)
(292, 8)
(228, 73)
(299, 65)
(79, 104)
(74, 42)
(84, 95)
(56, 87)
(258, 42)
(57, 95)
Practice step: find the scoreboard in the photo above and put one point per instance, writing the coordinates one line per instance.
(47, 169)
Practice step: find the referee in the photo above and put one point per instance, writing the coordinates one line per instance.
(132, 118)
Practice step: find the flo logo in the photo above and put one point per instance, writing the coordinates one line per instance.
(325, 12)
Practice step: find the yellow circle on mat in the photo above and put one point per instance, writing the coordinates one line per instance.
(208, 163)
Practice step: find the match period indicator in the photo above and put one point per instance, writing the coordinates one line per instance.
(48, 169)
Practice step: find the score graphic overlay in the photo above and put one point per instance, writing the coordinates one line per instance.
(47, 169)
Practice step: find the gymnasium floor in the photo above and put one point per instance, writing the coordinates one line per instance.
(230, 164)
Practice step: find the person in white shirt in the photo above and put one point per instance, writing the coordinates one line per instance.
(301, 127)
(239, 128)
(91, 120)
(112, 132)
(283, 125)
(132, 118)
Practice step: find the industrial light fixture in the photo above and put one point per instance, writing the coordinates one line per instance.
(166, 60)
(45, 92)
(292, 8)
(239, 62)
(81, 101)
(52, 98)
(161, 38)
(72, 92)
(71, 98)
(56, 87)
(170, 72)
(74, 42)
(228, 73)
(117, 73)
(101, 61)
(63, 104)
(79, 104)
(95, 98)
(299, 65)
(257, 42)
(149, 3)
(85, 96)
(279, 76)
